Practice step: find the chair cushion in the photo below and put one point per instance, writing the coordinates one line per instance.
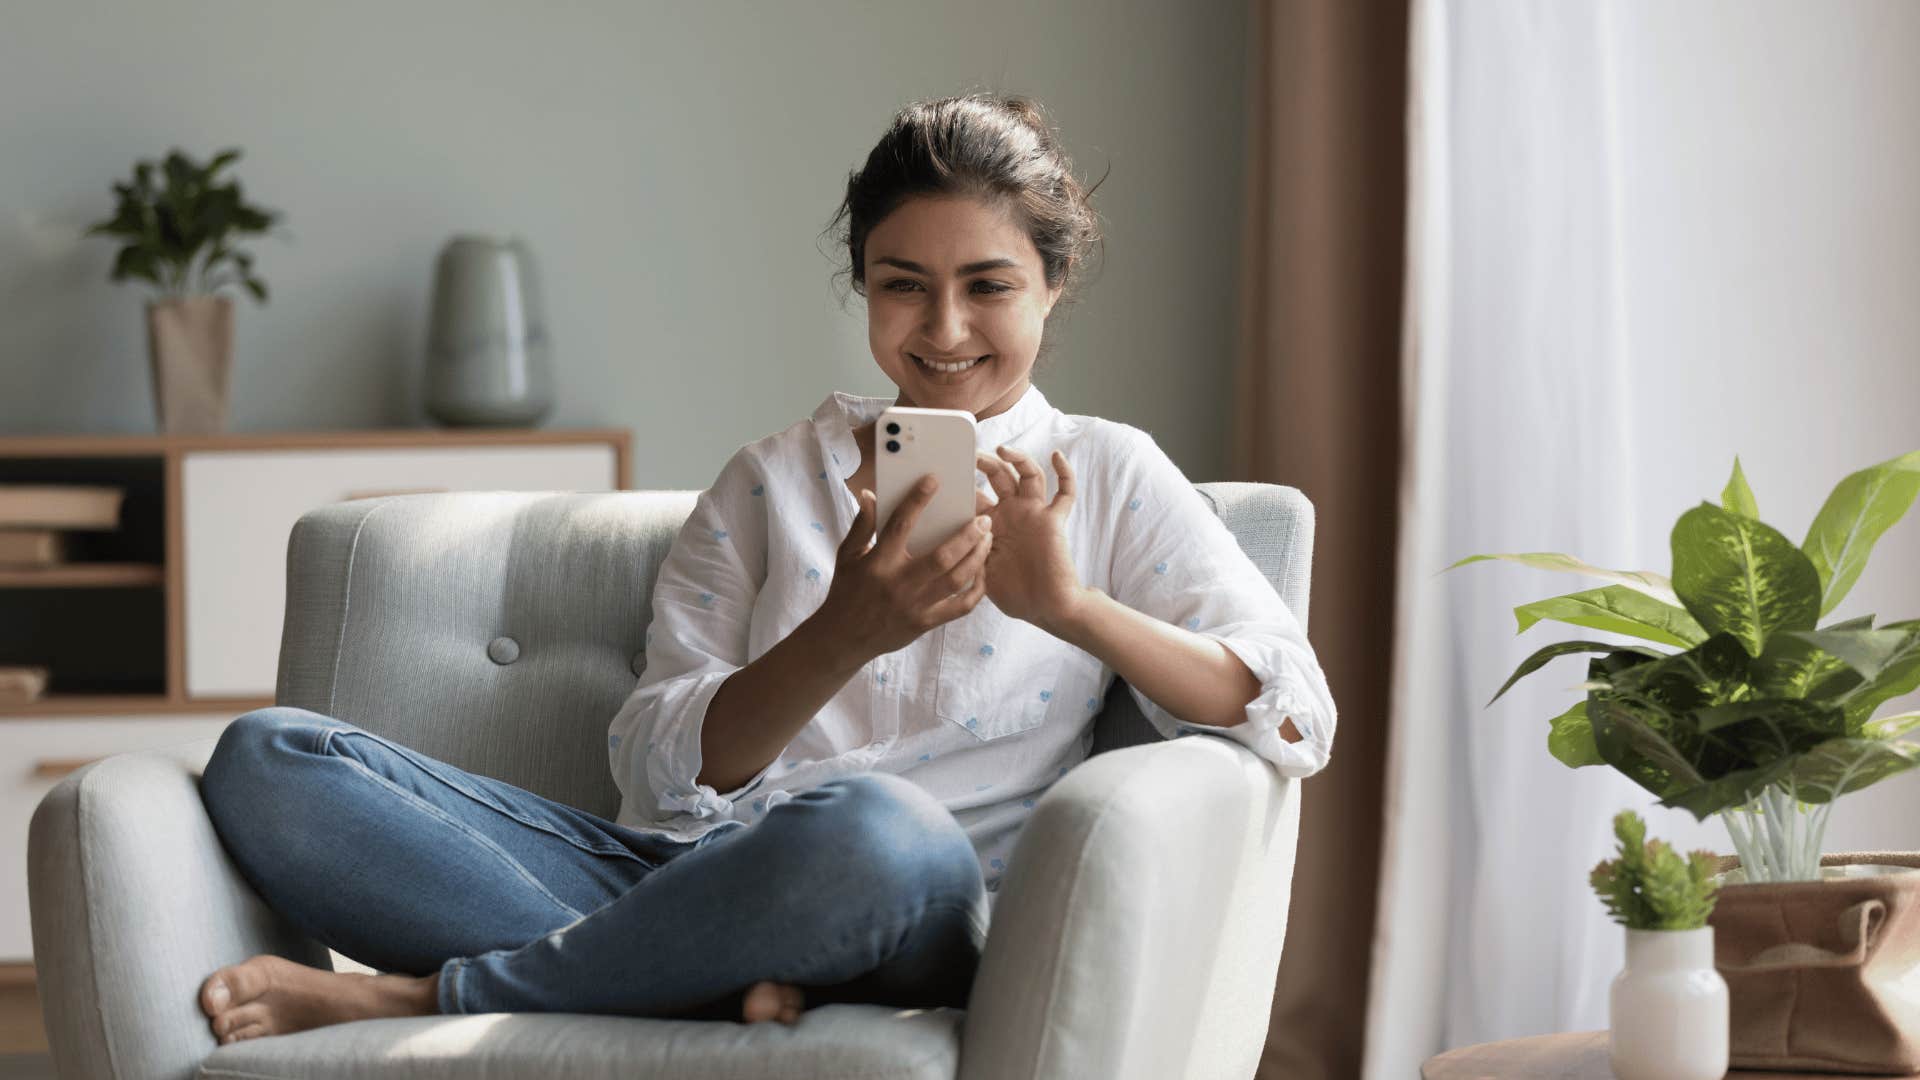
(831, 1042)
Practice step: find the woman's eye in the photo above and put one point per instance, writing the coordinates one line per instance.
(903, 285)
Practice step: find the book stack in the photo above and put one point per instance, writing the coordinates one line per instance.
(21, 685)
(35, 518)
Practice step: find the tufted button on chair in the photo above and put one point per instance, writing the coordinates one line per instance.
(1137, 936)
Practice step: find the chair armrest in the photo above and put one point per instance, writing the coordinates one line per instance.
(1137, 932)
(134, 903)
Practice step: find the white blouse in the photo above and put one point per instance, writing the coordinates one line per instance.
(984, 711)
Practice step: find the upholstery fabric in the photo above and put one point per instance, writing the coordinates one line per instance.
(1151, 953)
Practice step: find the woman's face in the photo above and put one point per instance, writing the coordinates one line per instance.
(954, 279)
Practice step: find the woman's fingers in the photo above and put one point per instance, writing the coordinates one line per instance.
(1032, 484)
(1062, 499)
(1000, 475)
(972, 585)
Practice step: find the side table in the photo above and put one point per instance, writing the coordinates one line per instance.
(1580, 1055)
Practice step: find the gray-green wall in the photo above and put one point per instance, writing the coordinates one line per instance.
(671, 164)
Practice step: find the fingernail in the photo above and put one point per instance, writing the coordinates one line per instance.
(926, 483)
(984, 522)
(218, 994)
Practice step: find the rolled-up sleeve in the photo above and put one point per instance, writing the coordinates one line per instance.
(1174, 559)
(703, 597)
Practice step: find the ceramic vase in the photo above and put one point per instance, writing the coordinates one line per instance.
(190, 344)
(1668, 1008)
(487, 363)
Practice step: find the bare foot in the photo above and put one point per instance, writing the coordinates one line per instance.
(271, 995)
(773, 1001)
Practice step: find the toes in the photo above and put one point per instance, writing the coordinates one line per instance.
(239, 1018)
(251, 1031)
(240, 984)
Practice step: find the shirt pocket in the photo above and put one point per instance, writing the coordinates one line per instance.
(999, 675)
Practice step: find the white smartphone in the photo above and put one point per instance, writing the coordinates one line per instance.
(909, 443)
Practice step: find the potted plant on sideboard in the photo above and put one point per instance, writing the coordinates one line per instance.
(1742, 706)
(1667, 1009)
(177, 235)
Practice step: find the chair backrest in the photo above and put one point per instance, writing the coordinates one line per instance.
(501, 631)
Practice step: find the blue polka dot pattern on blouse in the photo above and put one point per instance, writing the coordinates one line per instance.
(706, 599)
(817, 527)
(1193, 623)
(1133, 504)
(1046, 695)
(759, 489)
(836, 456)
(719, 534)
(883, 678)
(613, 742)
(793, 764)
(1093, 703)
(1159, 568)
(926, 757)
(1063, 770)
(973, 721)
(986, 650)
(823, 474)
(1028, 803)
(813, 573)
(759, 805)
(997, 864)
(982, 787)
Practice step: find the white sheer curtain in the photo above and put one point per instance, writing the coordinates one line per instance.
(1517, 432)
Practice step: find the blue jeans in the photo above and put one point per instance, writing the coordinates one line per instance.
(863, 888)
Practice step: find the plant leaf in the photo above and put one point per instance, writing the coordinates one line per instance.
(1892, 727)
(1570, 738)
(1642, 581)
(1861, 507)
(1629, 742)
(1732, 789)
(1792, 667)
(1838, 766)
(1900, 675)
(1737, 498)
(1868, 652)
(1551, 652)
(1618, 610)
(1740, 576)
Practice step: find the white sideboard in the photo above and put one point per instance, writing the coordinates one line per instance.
(204, 593)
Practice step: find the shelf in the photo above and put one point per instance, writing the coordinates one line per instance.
(83, 575)
(128, 704)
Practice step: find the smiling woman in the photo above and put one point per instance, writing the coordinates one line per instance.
(964, 231)
(832, 740)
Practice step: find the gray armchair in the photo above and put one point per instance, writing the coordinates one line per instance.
(1137, 936)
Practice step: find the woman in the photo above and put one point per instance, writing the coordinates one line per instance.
(834, 745)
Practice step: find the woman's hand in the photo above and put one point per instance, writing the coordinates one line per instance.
(1030, 573)
(881, 598)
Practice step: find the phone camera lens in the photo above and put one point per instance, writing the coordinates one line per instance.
(893, 446)
(893, 429)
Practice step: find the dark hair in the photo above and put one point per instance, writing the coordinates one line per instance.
(1000, 150)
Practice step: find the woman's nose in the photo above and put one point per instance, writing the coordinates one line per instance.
(946, 325)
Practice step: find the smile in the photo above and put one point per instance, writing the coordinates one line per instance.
(949, 369)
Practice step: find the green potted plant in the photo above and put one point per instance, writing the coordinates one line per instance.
(1741, 706)
(177, 223)
(1668, 1007)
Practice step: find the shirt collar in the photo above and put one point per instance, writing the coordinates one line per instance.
(841, 412)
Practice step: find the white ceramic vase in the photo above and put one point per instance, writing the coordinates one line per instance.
(1669, 1008)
